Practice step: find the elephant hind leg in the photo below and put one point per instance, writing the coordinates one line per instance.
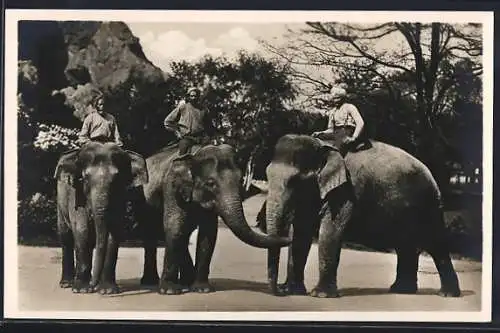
(437, 247)
(406, 271)
(448, 276)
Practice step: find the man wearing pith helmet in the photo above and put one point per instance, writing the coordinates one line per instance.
(345, 123)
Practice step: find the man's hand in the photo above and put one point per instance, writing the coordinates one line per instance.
(174, 129)
(82, 140)
(317, 134)
(348, 140)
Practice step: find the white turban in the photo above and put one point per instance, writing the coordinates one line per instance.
(338, 92)
(193, 89)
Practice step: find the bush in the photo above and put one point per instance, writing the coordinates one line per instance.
(54, 138)
(464, 233)
(37, 220)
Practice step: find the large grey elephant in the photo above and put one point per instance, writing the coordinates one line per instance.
(382, 197)
(92, 183)
(188, 192)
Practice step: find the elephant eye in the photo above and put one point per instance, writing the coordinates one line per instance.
(211, 183)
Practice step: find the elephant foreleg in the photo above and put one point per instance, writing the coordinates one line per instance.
(83, 247)
(187, 272)
(149, 236)
(329, 246)
(174, 252)
(207, 236)
(273, 261)
(107, 283)
(298, 252)
(68, 262)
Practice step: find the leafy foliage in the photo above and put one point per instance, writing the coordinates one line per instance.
(252, 101)
(417, 94)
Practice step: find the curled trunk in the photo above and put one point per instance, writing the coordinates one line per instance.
(231, 211)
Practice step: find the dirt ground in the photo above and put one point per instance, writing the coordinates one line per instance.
(238, 273)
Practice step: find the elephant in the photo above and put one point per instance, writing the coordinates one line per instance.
(381, 196)
(92, 183)
(186, 192)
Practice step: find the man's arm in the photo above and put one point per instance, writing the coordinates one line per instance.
(329, 128)
(84, 134)
(118, 139)
(358, 119)
(173, 117)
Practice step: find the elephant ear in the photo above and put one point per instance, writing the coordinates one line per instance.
(68, 163)
(181, 177)
(333, 173)
(69, 170)
(139, 169)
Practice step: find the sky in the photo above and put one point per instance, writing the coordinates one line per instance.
(166, 42)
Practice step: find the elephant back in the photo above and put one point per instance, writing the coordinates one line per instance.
(392, 172)
(158, 164)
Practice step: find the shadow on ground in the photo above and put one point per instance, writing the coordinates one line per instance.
(351, 292)
(130, 287)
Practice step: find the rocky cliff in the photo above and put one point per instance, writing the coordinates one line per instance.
(75, 58)
(104, 55)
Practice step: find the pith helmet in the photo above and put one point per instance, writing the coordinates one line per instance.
(338, 92)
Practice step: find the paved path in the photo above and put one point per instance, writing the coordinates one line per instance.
(238, 273)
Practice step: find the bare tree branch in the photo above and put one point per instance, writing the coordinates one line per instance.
(320, 28)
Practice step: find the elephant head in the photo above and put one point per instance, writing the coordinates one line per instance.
(211, 179)
(303, 171)
(100, 171)
(100, 175)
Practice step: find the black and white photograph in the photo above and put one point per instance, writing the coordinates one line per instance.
(246, 165)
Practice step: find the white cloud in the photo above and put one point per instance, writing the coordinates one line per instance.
(175, 45)
(236, 39)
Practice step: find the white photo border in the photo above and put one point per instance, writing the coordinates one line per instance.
(13, 16)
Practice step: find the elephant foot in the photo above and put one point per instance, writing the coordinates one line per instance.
(65, 283)
(170, 288)
(80, 287)
(108, 289)
(325, 292)
(452, 292)
(202, 287)
(275, 290)
(292, 289)
(403, 288)
(150, 281)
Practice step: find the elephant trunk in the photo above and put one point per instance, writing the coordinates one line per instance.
(275, 224)
(275, 211)
(101, 216)
(231, 211)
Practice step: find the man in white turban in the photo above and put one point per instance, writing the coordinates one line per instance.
(345, 123)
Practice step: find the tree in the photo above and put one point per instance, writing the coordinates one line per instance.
(245, 97)
(407, 60)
